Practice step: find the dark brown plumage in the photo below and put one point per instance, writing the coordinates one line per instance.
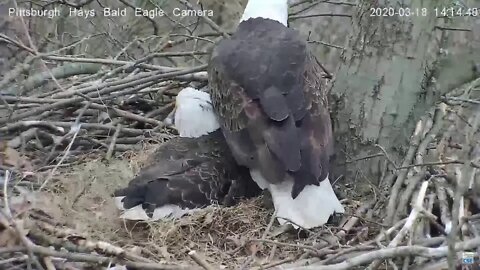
(268, 94)
(190, 173)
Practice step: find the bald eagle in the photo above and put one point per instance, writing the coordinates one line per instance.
(268, 95)
(188, 172)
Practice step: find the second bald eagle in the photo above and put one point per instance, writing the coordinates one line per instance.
(267, 92)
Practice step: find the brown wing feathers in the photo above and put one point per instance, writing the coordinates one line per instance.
(266, 91)
(204, 174)
(188, 189)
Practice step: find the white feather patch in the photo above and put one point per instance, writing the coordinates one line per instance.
(258, 178)
(119, 203)
(311, 208)
(276, 10)
(194, 114)
(135, 213)
(165, 212)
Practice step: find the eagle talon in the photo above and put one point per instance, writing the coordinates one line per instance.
(267, 200)
(335, 219)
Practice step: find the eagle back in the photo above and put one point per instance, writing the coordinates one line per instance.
(267, 91)
(189, 172)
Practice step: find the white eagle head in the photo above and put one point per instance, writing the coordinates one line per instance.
(193, 114)
(276, 10)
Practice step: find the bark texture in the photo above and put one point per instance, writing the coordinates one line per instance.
(392, 71)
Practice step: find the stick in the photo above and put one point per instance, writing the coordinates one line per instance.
(445, 216)
(392, 252)
(111, 148)
(408, 223)
(200, 260)
(97, 259)
(463, 178)
(206, 19)
(20, 234)
(87, 126)
(395, 189)
(74, 130)
(354, 219)
(296, 17)
(412, 217)
(102, 89)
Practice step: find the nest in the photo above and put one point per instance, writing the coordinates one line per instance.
(70, 209)
(65, 151)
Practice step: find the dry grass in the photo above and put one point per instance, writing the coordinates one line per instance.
(82, 193)
(220, 233)
(82, 196)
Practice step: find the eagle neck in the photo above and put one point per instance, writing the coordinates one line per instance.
(269, 9)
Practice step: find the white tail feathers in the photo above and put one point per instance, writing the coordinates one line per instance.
(311, 208)
(168, 211)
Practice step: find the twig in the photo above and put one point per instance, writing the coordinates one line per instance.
(310, 6)
(296, 17)
(354, 219)
(326, 44)
(148, 81)
(347, 253)
(48, 263)
(111, 148)
(127, 114)
(392, 252)
(462, 99)
(395, 189)
(443, 28)
(463, 179)
(413, 215)
(199, 260)
(103, 260)
(273, 264)
(206, 19)
(126, 64)
(314, 250)
(407, 192)
(386, 233)
(88, 126)
(264, 236)
(6, 211)
(363, 158)
(432, 164)
(5, 194)
(82, 241)
(75, 129)
(408, 223)
(445, 215)
(340, 3)
(270, 224)
(387, 156)
(15, 259)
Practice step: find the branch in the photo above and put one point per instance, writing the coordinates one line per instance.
(207, 20)
(296, 17)
(392, 252)
(200, 260)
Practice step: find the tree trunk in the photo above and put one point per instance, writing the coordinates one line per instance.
(391, 72)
